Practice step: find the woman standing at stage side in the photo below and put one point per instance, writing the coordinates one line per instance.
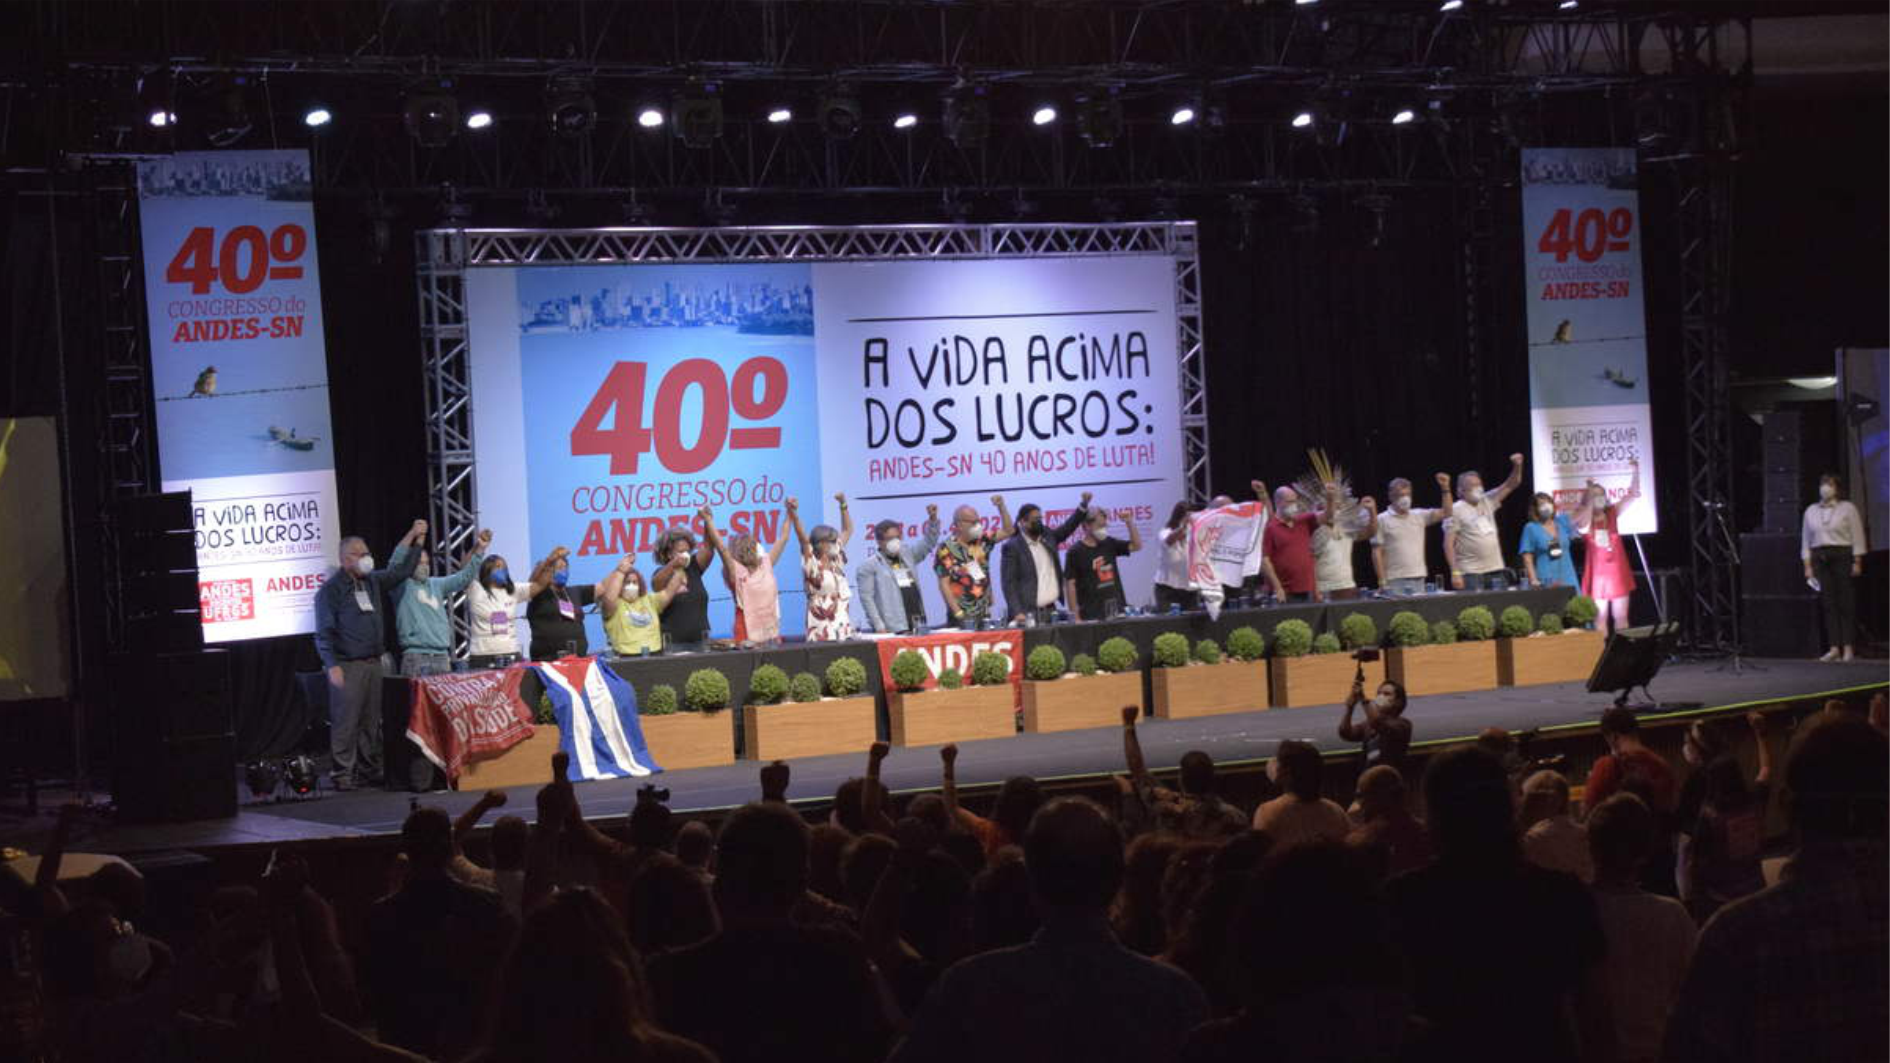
(750, 576)
(1548, 546)
(1608, 578)
(823, 566)
(490, 600)
(681, 562)
(1833, 551)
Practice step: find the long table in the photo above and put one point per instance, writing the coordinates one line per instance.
(646, 673)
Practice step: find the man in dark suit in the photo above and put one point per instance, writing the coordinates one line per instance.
(1032, 570)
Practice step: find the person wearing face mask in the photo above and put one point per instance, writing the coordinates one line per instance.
(749, 572)
(1094, 584)
(1832, 548)
(1608, 578)
(1173, 585)
(351, 637)
(426, 632)
(686, 621)
(1547, 546)
(632, 612)
(1385, 732)
(490, 603)
(556, 613)
(1398, 548)
(824, 569)
(1031, 569)
(1287, 548)
(1470, 540)
(889, 584)
(1341, 524)
(963, 563)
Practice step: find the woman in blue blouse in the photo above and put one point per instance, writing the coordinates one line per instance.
(1547, 546)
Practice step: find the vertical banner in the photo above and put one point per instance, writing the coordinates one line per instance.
(1587, 326)
(241, 379)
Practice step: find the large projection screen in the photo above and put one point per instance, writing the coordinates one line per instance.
(617, 381)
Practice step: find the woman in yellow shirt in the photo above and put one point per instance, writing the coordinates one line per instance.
(631, 609)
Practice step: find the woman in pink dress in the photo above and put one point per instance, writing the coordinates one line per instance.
(1607, 577)
(750, 575)
(824, 568)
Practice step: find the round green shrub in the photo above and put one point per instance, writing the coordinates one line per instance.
(706, 690)
(1358, 630)
(1515, 623)
(846, 676)
(1580, 611)
(1327, 642)
(804, 687)
(1083, 664)
(1170, 650)
(660, 702)
(767, 686)
(1476, 623)
(543, 713)
(1246, 644)
(1292, 638)
(1044, 662)
(1207, 651)
(989, 669)
(1550, 624)
(950, 679)
(1443, 633)
(1116, 655)
(1409, 629)
(909, 671)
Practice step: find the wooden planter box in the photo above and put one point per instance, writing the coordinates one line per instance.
(1078, 701)
(525, 764)
(1319, 679)
(1451, 669)
(1209, 689)
(690, 739)
(935, 717)
(1565, 658)
(808, 728)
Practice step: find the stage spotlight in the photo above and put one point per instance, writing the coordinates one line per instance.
(1303, 3)
(779, 115)
(317, 116)
(162, 118)
(1043, 115)
(304, 777)
(840, 116)
(967, 118)
(263, 777)
(1303, 120)
(696, 115)
(480, 119)
(1404, 117)
(650, 118)
(1569, 5)
(571, 109)
(1099, 118)
(1450, 5)
(1182, 116)
(431, 116)
(906, 121)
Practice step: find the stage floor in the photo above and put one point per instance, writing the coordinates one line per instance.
(1232, 740)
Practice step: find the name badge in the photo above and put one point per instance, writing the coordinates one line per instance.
(364, 601)
(902, 577)
(974, 570)
(501, 621)
(567, 609)
(1601, 538)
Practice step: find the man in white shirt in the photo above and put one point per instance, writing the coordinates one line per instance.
(1470, 541)
(1833, 548)
(1398, 548)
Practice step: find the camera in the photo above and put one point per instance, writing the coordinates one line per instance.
(1366, 655)
(650, 793)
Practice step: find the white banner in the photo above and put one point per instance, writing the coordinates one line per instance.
(240, 374)
(1588, 394)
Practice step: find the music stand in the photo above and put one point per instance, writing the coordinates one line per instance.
(1632, 657)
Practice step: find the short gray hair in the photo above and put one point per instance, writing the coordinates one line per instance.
(1397, 483)
(1463, 478)
(342, 546)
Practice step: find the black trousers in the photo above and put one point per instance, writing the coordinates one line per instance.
(1166, 596)
(1831, 567)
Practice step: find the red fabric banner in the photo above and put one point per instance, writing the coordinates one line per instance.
(957, 649)
(468, 716)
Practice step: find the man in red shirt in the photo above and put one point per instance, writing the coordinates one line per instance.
(1630, 766)
(1287, 546)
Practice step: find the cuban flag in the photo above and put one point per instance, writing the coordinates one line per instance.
(597, 715)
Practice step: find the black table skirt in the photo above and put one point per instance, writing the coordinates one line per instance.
(646, 673)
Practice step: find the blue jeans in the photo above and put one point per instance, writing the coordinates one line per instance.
(422, 662)
(1482, 581)
(1405, 588)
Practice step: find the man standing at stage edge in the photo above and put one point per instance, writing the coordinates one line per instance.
(963, 563)
(351, 636)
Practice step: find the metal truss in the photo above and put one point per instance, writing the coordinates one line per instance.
(446, 255)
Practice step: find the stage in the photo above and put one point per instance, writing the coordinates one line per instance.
(1237, 741)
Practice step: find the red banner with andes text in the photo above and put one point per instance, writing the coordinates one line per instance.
(956, 649)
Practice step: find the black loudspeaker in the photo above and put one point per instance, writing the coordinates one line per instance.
(173, 746)
(1779, 613)
(1798, 443)
(156, 567)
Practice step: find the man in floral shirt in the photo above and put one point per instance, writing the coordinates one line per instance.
(963, 562)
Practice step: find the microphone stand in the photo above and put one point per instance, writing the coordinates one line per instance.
(1736, 662)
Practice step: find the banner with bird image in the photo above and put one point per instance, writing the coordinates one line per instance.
(240, 377)
(1589, 413)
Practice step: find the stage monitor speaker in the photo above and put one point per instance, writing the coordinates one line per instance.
(156, 567)
(1798, 443)
(169, 697)
(177, 780)
(1632, 658)
(1779, 615)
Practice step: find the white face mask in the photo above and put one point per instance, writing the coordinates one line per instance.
(1290, 510)
(1826, 492)
(1545, 510)
(1099, 534)
(632, 591)
(365, 565)
(891, 547)
(1598, 500)
(1384, 702)
(1402, 503)
(1473, 495)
